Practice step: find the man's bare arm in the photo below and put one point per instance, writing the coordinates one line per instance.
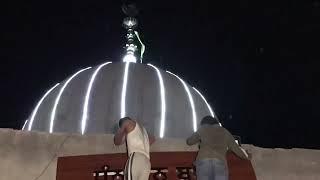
(152, 139)
(119, 137)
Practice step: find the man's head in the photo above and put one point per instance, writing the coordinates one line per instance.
(209, 120)
(122, 120)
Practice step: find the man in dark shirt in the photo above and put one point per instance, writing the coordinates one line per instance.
(214, 141)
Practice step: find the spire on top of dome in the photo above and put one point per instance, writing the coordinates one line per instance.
(130, 23)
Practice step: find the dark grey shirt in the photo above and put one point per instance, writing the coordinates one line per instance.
(215, 141)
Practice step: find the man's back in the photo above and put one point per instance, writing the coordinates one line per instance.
(138, 141)
(215, 141)
(138, 164)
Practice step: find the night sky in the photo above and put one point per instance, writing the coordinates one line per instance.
(256, 62)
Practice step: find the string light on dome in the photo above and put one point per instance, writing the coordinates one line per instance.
(124, 90)
(163, 101)
(194, 115)
(24, 125)
(204, 99)
(34, 112)
(54, 109)
(87, 97)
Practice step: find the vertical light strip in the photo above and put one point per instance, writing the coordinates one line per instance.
(87, 98)
(53, 113)
(211, 112)
(124, 90)
(24, 125)
(163, 101)
(194, 116)
(34, 112)
(204, 99)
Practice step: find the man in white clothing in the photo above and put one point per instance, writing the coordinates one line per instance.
(138, 144)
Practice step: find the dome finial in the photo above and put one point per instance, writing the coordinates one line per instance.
(130, 9)
(130, 23)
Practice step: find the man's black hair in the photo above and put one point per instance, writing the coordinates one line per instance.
(209, 120)
(122, 120)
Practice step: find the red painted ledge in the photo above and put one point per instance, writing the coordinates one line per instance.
(171, 165)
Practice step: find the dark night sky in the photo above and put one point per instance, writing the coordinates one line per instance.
(255, 60)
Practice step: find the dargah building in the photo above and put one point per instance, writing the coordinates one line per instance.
(69, 133)
(93, 99)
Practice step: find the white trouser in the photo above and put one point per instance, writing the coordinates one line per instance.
(137, 167)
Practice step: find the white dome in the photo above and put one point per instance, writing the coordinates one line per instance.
(93, 99)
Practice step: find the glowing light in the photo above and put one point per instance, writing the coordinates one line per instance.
(24, 125)
(53, 113)
(87, 98)
(129, 58)
(194, 116)
(204, 99)
(130, 23)
(163, 101)
(124, 90)
(143, 47)
(34, 112)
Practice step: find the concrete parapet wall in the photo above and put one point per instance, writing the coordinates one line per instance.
(33, 155)
(285, 164)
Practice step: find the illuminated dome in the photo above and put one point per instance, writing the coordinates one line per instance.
(92, 100)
